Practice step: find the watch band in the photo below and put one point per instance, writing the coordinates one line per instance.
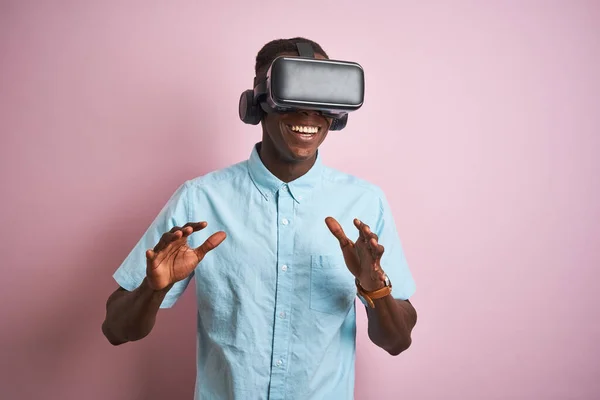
(368, 297)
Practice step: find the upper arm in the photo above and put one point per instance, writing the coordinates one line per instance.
(132, 271)
(393, 261)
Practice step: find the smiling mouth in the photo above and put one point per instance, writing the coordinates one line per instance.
(304, 129)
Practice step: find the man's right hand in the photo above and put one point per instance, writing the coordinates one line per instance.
(172, 260)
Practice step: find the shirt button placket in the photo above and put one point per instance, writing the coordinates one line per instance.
(283, 296)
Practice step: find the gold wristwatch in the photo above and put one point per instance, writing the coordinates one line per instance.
(368, 297)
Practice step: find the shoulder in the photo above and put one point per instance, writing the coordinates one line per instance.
(338, 180)
(220, 182)
(219, 177)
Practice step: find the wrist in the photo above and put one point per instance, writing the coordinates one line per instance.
(375, 291)
(147, 286)
(370, 285)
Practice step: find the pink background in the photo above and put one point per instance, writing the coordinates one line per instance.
(481, 123)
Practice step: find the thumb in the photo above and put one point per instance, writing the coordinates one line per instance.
(210, 244)
(338, 232)
(347, 245)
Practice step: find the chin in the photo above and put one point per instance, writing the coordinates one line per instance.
(303, 156)
(301, 153)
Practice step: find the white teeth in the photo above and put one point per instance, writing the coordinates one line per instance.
(305, 129)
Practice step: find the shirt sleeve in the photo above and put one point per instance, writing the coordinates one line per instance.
(393, 261)
(132, 271)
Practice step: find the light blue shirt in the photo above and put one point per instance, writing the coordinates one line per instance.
(276, 302)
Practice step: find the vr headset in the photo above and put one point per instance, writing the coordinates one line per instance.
(333, 88)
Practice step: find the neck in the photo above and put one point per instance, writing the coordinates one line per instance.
(284, 170)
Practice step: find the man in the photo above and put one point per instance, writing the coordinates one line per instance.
(276, 282)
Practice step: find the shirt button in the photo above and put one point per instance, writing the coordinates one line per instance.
(279, 363)
(285, 221)
(284, 267)
(282, 315)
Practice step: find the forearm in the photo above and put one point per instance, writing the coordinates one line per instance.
(130, 316)
(391, 323)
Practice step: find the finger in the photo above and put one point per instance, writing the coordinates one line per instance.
(373, 247)
(370, 236)
(150, 254)
(338, 232)
(167, 239)
(347, 245)
(185, 231)
(376, 249)
(361, 233)
(197, 226)
(366, 230)
(209, 244)
(189, 228)
(161, 243)
(171, 238)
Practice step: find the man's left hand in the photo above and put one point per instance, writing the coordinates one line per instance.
(363, 256)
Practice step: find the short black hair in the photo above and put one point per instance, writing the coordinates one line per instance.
(271, 50)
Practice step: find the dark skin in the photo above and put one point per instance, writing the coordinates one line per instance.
(391, 321)
(130, 316)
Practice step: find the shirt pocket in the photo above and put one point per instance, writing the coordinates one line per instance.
(332, 288)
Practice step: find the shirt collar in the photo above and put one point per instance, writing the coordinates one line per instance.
(268, 184)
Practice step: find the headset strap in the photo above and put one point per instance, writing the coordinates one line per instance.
(305, 50)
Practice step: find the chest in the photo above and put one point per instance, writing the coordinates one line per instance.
(279, 254)
(260, 231)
